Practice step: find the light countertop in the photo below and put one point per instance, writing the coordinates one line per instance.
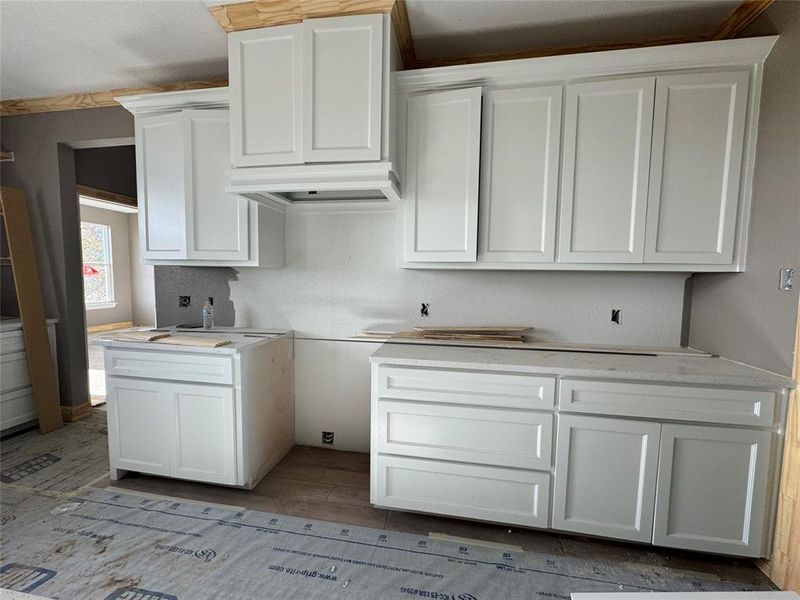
(672, 369)
(240, 341)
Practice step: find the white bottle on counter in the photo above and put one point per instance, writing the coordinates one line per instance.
(208, 314)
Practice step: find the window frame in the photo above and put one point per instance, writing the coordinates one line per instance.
(109, 264)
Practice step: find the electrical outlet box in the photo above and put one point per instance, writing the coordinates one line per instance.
(327, 438)
(184, 301)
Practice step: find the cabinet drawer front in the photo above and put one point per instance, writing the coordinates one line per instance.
(158, 364)
(471, 491)
(466, 387)
(12, 341)
(17, 407)
(14, 372)
(682, 403)
(510, 438)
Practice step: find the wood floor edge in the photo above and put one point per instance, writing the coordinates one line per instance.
(70, 414)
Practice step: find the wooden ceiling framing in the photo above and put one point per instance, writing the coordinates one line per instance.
(268, 13)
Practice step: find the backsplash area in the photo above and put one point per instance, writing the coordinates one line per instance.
(341, 277)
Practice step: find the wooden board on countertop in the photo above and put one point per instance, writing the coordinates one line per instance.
(136, 336)
(196, 341)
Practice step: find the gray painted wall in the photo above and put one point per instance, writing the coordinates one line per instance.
(744, 316)
(341, 277)
(111, 169)
(44, 168)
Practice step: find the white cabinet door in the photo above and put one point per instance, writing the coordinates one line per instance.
(605, 477)
(204, 432)
(139, 422)
(161, 186)
(519, 174)
(698, 137)
(607, 131)
(342, 87)
(216, 221)
(712, 485)
(266, 71)
(442, 168)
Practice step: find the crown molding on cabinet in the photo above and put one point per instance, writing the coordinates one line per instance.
(720, 53)
(145, 104)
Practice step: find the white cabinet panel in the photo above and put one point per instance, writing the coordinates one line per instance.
(266, 71)
(506, 438)
(204, 432)
(441, 192)
(712, 485)
(161, 186)
(175, 366)
(698, 137)
(607, 131)
(139, 414)
(216, 221)
(342, 87)
(605, 477)
(519, 174)
(461, 490)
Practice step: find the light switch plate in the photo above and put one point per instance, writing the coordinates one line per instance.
(787, 280)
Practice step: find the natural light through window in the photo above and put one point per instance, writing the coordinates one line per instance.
(98, 284)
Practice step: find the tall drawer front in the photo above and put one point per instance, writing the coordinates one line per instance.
(12, 341)
(681, 403)
(159, 364)
(485, 388)
(489, 436)
(17, 407)
(14, 372)
(471, 491)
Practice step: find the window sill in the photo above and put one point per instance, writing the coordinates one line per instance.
(101, 305)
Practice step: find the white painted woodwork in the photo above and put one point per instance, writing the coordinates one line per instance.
(712, 489)
(217, 222)
(675, 402)
(698, 142)
(482, 388)
(442, 167)
(464, 490)
(266, 74)
(14, 372)
(140, 423)
(606, 161)
(605, 477)
(204, 433)
(174, 366)
(342, 88)
(520, 146)
(161, 186)
(488, 436)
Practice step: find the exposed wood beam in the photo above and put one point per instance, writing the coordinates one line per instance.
(744, 14)
(402, 32)
(23, 106)
(268, 13)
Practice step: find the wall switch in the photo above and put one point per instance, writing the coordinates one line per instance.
(787, 280)
(184, 301)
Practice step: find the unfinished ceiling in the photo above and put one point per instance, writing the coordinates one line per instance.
(51, 48)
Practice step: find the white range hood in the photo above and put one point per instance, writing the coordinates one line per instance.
(318, 183)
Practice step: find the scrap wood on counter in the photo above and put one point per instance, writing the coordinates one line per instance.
(507, 335)
(161, 337)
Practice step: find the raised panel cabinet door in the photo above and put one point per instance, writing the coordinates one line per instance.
(698, 138)
(712, 489)
(266, 88)
(605, 477)
(606, 162)
(139, 425)
(161, 186)
(216, 221)
(519, 174)
(442, 170)
(342, 88)
(204, 436)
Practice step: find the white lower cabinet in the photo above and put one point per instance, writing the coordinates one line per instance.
(605, 478)
(712, 489)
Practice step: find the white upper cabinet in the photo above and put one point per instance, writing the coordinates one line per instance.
(698, 138)
(442, 166)
(266, 72)
(307, 93)
(519, 174)
(342, 86)
(607, 133)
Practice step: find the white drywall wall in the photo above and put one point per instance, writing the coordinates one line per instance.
(143, 295)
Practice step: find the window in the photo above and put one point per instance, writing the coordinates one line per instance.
(98, 281)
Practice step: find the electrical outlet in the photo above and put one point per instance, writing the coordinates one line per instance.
(184, 301)
(327, 438)
(424, 310)
(615, 314)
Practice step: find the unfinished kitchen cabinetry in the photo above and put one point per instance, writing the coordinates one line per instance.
(186, 216)
(656, 150)
(293, 103)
